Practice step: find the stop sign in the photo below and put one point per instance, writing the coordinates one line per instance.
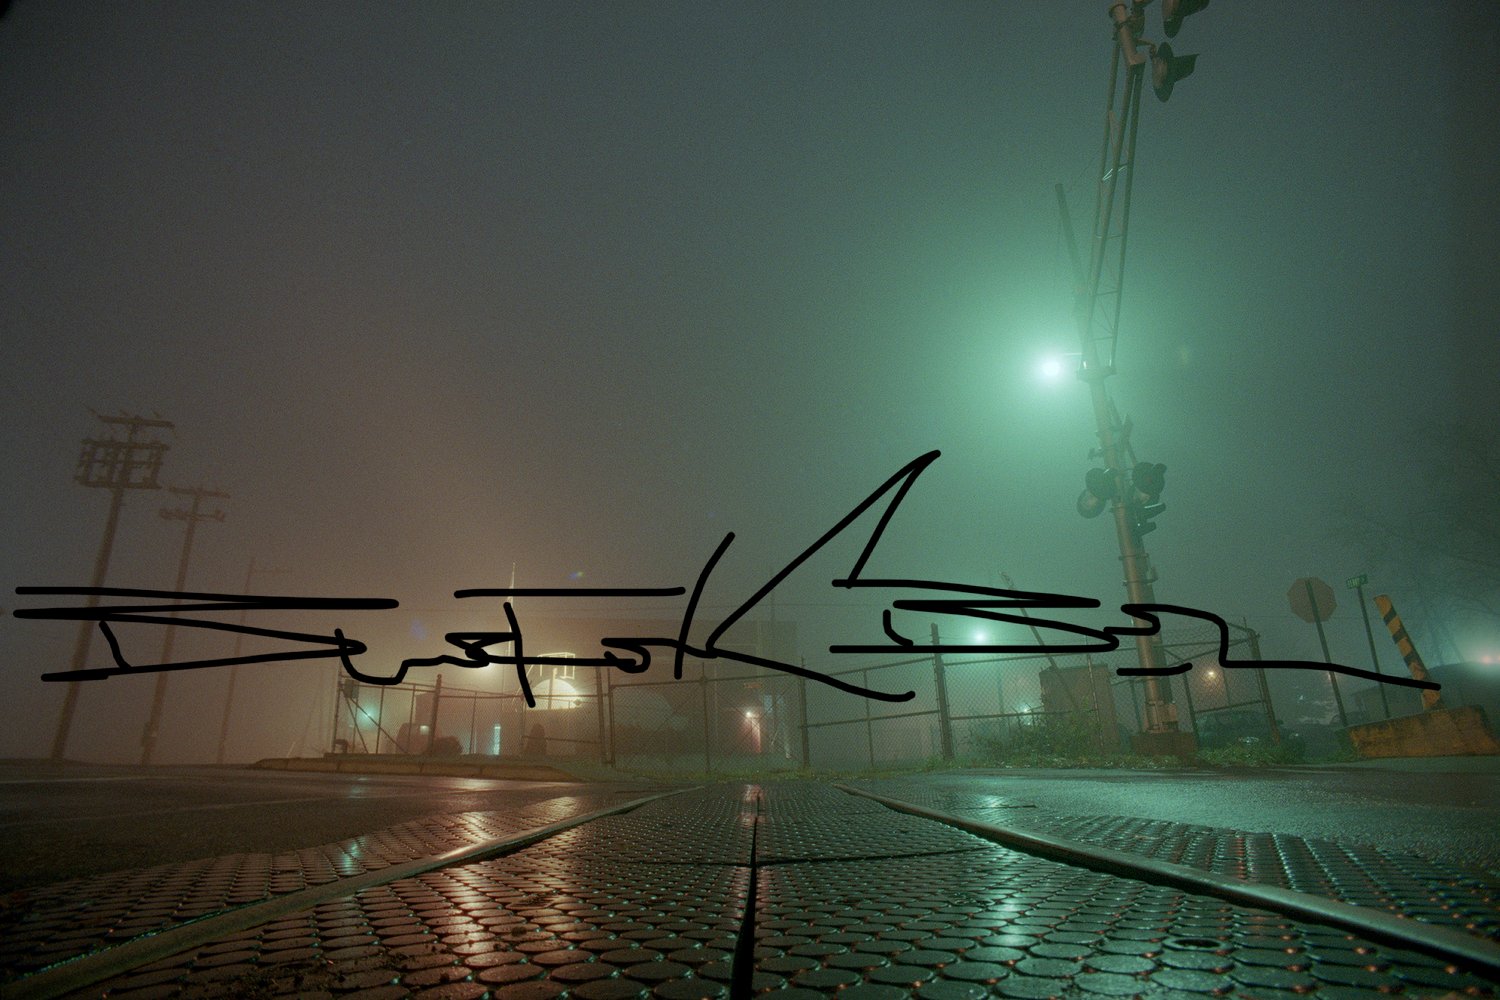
(1319, 607)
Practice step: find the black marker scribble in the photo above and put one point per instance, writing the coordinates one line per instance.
(986, 604)
(147, 614)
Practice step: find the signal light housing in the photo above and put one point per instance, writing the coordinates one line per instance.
(1167, 69)
(1174, 11)
(1100, 486)
(1141, 515)
(1147, 480)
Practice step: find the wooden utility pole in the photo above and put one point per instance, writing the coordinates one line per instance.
(234, 668)
(116, 464)
(192, 515)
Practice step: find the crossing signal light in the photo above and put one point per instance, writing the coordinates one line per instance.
(1141, 523)
(1167, 69)
(1147, 480)
(1100, 486)
(1174, 11)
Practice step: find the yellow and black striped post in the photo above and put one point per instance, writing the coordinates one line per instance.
(1430, 699)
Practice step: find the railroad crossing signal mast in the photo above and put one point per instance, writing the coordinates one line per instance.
(1130, 488)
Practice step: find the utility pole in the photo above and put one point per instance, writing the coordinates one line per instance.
(1131, 489)
(116, 464)
(234, 668)
(192, 516)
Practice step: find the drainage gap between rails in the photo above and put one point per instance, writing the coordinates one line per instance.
(844, 859)
(742, 971)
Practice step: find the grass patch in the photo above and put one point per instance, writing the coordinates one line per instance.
(1253, 755)
(1062, 741)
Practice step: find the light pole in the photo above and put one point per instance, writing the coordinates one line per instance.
(1130, 489)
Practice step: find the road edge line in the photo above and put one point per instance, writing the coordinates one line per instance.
(1377, 925)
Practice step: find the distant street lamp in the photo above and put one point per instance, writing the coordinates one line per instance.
(1053, 366)
(753, 727)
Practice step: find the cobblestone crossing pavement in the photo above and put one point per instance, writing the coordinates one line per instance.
(595, 897)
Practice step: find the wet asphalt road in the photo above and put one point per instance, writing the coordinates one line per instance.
(65, 821)
(652, 900)
(1445, 808)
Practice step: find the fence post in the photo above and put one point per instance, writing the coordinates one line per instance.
(379, 719)
(338, 696)
(437, 697)
(1265, 690)
(708, 764)
(869, 735)
(1089, 668)
(802, 700)
(612, 733)
(714, 715)
(473, 719)
(945, 725)
(1187, 689)
(599, 711)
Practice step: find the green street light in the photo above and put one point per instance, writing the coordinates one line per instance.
(1053, 366)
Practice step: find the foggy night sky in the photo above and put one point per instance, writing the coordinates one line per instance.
(436, 289)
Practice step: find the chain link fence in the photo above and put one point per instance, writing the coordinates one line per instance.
(729, 718)
(978, 707)
(430, 719)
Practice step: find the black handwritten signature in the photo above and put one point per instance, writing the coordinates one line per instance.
(634, 654)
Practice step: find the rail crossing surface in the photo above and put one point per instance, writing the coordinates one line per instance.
(869, 889)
